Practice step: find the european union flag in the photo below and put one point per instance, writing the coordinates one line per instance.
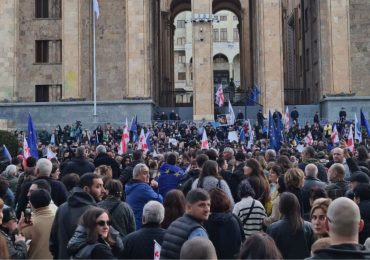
(133, 128)
(275, 133)
(32, 138)
(242, 136)
(365, 123)
(6, 153)
(253, 96)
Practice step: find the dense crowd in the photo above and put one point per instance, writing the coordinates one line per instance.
(236, 199)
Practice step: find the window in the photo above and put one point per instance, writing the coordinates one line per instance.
(216, 17)
(48, 51)
(223, 18)
(235, 18)
(42, 93)
(181, 75)
(180, 24)
(42, 51)
(46, 93)
(181, 41)
(216, 35)
(223, 34)
(42, 8)
(181, 59)
(236, 35)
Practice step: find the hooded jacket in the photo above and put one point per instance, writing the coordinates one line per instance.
(77, 165)
(138, 193)
(66, 220)
(342, 251)
(221, 225)
(79, 248)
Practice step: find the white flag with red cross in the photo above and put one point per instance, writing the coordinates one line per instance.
(142, 142)
(205, 140)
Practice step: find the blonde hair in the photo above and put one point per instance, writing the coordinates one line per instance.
(294, 177)
(321, 203)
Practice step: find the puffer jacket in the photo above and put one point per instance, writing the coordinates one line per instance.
(79, 248)
(17, 250)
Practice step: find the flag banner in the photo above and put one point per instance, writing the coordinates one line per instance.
(26, 148)
(50, 154)
(334, 135)
(358, 134)
(252, 98)
(350, 141)
(233, 136)
(96, 8)
(142, 142)
(6, 153)
(231, 116)
(308, 139)
(242, 136)
(365, 123)
(220, 98)
(287, 119)
(125, 138)
(205, 141)
(133, 128)
(157, 250)
(32, 138)
(251, 135)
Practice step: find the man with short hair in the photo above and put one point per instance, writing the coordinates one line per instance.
(102, 158)
(270, 155)
(338, 157)
(228, 155)
(338, 186)
(362, 198)
(140, 244)
(189, 225)
(42, 184)
(310, 182)
(308, 157)
(139, 192)
(68, 214)
(198, 248)
(344, 224)
(78, 164)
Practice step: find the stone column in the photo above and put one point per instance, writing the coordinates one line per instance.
(8, 37)
(71, 48)
(188, 74)
(335, 46)
(231, 67)
(203, 106)
(270, 76)
(137, 49)
(246, 67)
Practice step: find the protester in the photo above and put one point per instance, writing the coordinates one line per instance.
(174, 205)
(140, 244)
(259, 246)
(102, 158)
(170, 175)
(362, 199)
(94, 238)
(198, 248)
(318, 217)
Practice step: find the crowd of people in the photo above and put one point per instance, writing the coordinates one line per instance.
(176, 200)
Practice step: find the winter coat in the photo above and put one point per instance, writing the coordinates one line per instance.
(222, 225)
(337, 189)
(322, 172)
(235, 179)
(77, 165)
(365, 216)
(121, 215)
(66, 220)
(309, 184)
(17, 250)
(169, 177)
(79, 248)
(140, 244)
(187, 180)
(138, 193)
(105, 159)
(342, 251)
(292, 246)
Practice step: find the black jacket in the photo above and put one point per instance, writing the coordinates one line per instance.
(292, 246)
(79, 248)
(77, 165)
(187, 180)
(66, 220)
(309, 184)
(140, 244)
(337, 189)
(126, 175)
(176, 235)
(17, 250)
(342, 251)
(365, 216)
(105, 159)
(225, 225)
(235, 178)
(322, 173)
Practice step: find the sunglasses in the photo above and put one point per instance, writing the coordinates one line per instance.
(102, 223)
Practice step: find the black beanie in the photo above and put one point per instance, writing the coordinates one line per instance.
(40, 198)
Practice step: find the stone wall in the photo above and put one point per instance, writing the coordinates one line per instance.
(360, 46)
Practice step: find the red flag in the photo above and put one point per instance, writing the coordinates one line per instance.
(220, 98)
(124, 140)
(334, 135)
(142, 142)
(205, 140)
(308, 139)
(286, 119)
(350, 142)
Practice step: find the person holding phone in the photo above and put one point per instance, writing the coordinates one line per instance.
(37, 228)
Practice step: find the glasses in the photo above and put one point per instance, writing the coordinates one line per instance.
(102, 223)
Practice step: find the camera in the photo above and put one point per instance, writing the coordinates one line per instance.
(27, 215)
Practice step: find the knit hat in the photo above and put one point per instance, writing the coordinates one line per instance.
(8, 214)
(40, 198)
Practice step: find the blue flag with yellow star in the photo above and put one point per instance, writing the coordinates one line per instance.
(169, 177)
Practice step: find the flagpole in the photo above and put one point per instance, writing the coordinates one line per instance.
(94, 61)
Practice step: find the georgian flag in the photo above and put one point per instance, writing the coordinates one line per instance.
(220, 98)
(358, 134)
(286, 118)
(26, 148)
(350, 141)
(334, 135)
(308, 139)
(124, 140)
(142, 142)
(157, 250)
(205, 140)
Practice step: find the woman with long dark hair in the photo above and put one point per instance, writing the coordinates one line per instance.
(209, 178)
(94, 238)
(221, 224)
(259, 246)
(293, 236)
(174, 205)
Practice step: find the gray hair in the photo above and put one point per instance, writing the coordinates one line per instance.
(311, 170)
(10, 170)
(137, 169)
(101, 149)
(153, 212)
(44, 167)
(271, 154)
(80, 151)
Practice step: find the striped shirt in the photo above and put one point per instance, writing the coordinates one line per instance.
(254, 223)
